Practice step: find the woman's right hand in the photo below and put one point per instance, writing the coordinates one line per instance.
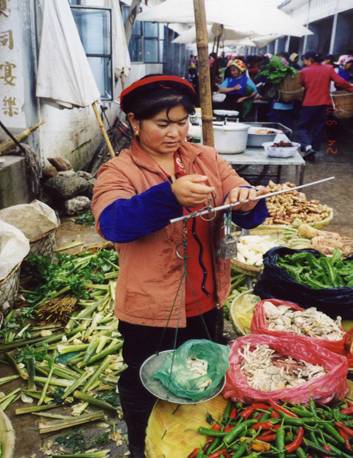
(191, 190)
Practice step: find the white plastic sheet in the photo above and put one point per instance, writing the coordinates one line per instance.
(64, 73)
(14, 247)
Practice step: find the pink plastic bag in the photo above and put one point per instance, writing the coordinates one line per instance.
(331, 385)
(259, 326)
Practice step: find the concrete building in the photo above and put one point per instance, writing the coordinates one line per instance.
(69, 133)
(331, 22)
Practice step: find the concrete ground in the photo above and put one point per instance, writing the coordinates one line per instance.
(337, 194)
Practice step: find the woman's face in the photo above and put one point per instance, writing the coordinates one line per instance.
(165, 132)
(234, 71)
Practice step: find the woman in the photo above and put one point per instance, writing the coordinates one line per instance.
(316, 79)
(159, 178)
(238, 87)
(345, 68)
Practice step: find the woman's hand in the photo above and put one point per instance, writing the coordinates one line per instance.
(243, 194)
(242, 99)
(237, 87)
(191, 190)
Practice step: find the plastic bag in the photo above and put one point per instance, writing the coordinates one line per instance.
(276, 282)
(331, 385)
(259, 326)
(14, 247)
(182, 381)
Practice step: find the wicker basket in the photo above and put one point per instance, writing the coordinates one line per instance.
(9, 287)
(246, 269)
(237, 308)
(45, 246)
(291, 89)
(343, 104)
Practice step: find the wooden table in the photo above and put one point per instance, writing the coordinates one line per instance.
(257, 156)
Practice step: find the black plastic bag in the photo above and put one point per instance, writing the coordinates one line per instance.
(275, 282)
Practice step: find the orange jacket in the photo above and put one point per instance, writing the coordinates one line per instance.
(151, 273)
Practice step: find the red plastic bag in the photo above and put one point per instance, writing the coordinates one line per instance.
(259, 326)
(331, 385)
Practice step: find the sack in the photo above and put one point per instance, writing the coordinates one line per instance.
(186, 384)
(276, 282)
(325, 388)
(259, 326)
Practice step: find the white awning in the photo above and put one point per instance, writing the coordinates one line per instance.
(64, 73)
(250, 18)
(121, 57)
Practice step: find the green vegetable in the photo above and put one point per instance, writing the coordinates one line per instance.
(85, 219)
(276, 71)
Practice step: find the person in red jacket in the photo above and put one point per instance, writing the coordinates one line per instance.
(316, 79)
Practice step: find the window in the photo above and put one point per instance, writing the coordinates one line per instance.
(147, 40)
(94, 27)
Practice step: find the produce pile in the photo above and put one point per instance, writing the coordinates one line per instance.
(271, 429)
(266, 370)
(292, 206)
(309, 322)
(319, 272)
(251, 248)
(63, 341)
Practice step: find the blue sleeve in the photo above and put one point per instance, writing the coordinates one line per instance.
(224, 84)
(253, 218)
(126, 220)
(251, 85)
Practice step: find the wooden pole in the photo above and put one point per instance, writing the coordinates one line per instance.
(204, 72)
(102, 128)
(20, 137)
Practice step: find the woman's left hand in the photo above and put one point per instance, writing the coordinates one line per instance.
(243, 194)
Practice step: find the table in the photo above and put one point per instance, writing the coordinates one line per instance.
(257, 156)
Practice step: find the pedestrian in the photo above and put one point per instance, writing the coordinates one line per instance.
(316, 78)
(345, 68)
(160, 177)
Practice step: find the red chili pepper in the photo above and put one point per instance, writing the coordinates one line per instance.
(233, 414)
(344, 428)
(346, 437)
(216, 427)
(258, 416)
(260, 405)
(194, 453)
(275, 414)
(297, 442)
(263, 425)
(347, 410)
(246, 413)
(220, 453)
(267, 437)
(228, 428)
(279, 408)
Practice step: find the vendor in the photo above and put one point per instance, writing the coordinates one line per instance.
(238, 87)
(316, 79)
(160, 177)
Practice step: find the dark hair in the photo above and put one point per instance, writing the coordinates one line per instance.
(330, 57)
(156, 101)
(311, 55)
(147, 101)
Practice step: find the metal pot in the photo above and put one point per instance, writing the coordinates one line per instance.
(230, 138)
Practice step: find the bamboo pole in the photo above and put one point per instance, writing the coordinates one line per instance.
(20, 137)
(204, 72)
(102, 128)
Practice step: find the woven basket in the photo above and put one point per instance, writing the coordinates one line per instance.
(9, 287)
(45, 246)
(246, 269)
(237, 308)
(172, 430)
(291, 89)
(273, 228)
(343, 104)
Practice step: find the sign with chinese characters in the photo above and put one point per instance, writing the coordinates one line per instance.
(11, 71)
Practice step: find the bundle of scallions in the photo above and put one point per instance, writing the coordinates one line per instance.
(76, 364)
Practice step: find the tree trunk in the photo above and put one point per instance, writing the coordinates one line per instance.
(134, 9)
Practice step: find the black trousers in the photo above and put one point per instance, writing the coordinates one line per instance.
(140, 342)
(311, 125)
